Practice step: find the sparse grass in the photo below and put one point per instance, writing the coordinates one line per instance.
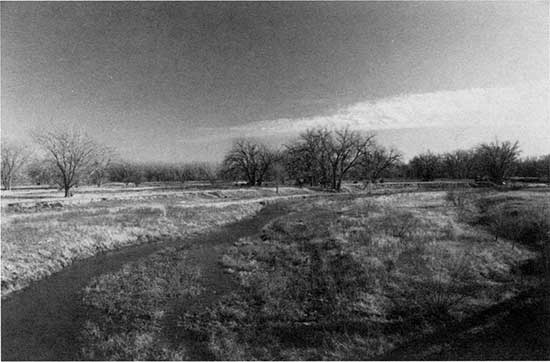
(343, 279)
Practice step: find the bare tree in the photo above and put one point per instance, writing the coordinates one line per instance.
(544, 167)
(425, 166)
(42, 172)
(343, 152)
(278, 174)
(14, 158)
(250, 160)
(458, 164)
(181, 173)
(102, 159)
(126, 172)
(377, 160)
(71, 151)
(528, 167)
(207, 171)
(323, 157)
(497, 159)
(306, 160)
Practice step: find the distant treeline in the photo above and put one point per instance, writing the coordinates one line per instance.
(325, 158)
(316, 158)
(495, 162)
(127, 172)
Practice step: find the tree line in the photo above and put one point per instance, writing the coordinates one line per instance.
(495, 162)
(315, 158)
(71, 158)
(318, 157)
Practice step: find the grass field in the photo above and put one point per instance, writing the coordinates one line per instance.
(352, 277)
(42, 232)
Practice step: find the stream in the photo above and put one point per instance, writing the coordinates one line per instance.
(43, 321)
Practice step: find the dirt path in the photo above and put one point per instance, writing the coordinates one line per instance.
(43, 321)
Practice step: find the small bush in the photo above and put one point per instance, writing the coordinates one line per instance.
(521, 223)
(456, 198)
(398, 223)
(437, 293)
(302, 226)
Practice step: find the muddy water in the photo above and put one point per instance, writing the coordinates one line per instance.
(43, 321)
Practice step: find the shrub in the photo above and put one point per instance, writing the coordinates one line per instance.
(519, 222)
(398, 223)
(433, 295)
(456, 198)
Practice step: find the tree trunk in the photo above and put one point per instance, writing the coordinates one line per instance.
(67, 191)
(334, 180)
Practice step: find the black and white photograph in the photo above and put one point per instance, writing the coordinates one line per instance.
(275, 180)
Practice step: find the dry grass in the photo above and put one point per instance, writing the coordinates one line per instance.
(154, 283)
(37, 243)
(27, 199)
(346, 278)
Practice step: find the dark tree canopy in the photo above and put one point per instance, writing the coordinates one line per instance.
(425, 166)
(248, 160)
(497, 159)
(459, 164)
(126, 172)
(323, 157)
(377, 160)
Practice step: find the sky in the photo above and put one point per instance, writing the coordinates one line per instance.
(179, 81)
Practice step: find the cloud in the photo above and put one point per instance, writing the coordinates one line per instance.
(520, 105)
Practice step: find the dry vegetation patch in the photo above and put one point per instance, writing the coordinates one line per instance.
(394, 264)
(37, 243)
(350, 278)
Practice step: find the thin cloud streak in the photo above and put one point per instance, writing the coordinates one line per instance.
(488, 108)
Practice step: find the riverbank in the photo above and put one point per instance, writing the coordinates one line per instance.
(38, 241)
(44, 320)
